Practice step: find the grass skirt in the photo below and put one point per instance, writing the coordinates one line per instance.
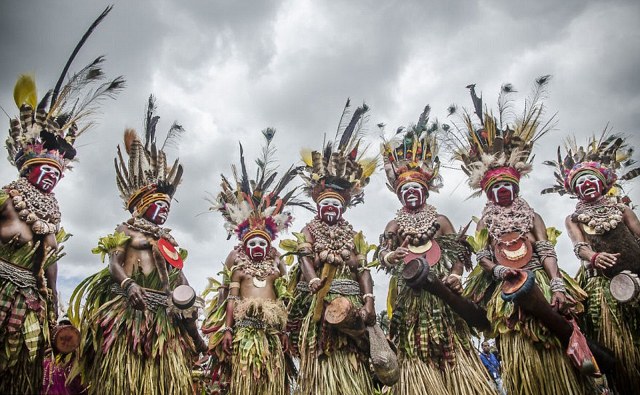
(533, 361)
(258, 364)
(330, 362)
(434, 347)
(126, 351)
(615, 326)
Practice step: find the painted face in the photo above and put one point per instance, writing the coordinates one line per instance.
(589, 187)
(44, 177)
(256, 248)
(502, 193)
(412, 195)
(157, 212)
(330, 210)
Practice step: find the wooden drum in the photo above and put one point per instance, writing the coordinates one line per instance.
(625, 287)
(66, 338)
(183, 297)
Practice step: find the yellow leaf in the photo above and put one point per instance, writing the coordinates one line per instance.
(25, 91)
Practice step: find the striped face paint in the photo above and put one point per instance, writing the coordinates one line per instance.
(502, 193)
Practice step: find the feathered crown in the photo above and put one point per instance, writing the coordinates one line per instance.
(602, 157)
(339, 169)
(255, 207)
(46, 135)
(412, 155)
(499, 148)
(146, 177)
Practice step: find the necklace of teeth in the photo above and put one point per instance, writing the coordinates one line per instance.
(38, 209)
(259, 270)
(150, 229)
(601, 215)
(416, 224)
(332, 243)
(517, 217)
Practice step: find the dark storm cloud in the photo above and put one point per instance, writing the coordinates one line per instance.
(226, 70)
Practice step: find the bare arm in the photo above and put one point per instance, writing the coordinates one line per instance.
(486, 264)
(366, 288)
(224, 289)
(134, 292)
(631, 220)
(52, 276)
(227, 340)
(191, 324)
(390, 256)
(550, 263)
(306, 262)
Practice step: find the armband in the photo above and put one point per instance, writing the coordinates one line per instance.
(577, 246)
(369, 295)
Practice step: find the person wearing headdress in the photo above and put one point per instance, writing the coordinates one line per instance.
(433, 342)
(512, 246)
(137, 336)
(606, 239)
(332, 265)
(41, 146)
(253, 339)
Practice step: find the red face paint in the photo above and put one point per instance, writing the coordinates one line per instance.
(589, 187)
(412, 195)
(44, 177)
(502, 193)
(256, 248)
(330, 210)
(157, 212)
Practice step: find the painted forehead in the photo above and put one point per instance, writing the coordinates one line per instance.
(411, 185)
(257, 239)
(330, 201)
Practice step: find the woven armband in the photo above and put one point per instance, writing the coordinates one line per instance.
(544, 249)
(577, 246)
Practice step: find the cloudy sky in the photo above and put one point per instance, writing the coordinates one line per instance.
(228, 69)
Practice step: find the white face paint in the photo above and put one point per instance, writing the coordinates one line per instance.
(412, 195)
(158, 212)
(503, 193)
(256, 247)
(330, 210)
(589, 187)
(44, 177)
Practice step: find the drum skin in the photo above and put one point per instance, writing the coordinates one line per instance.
(183, 296)
(625, 287)
(66, 339)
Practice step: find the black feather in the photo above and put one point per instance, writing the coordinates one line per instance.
(84, 38)
(244, 181)
(348, 131)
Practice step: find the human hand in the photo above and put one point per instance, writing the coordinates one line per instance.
(605, 260)
(559, 302)
(135, 295)
(227, 342)
(368, 313)
(284, 339)
(397, 256)
(316, 285)
(454, 282)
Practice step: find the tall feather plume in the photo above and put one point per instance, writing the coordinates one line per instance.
(75, 51)
(351, 127)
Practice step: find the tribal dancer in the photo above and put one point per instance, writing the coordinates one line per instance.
(331, 265)
(495, 155)
(255, 320)
(137, 337)
(606, 238)
(40, 146)
(433, 342)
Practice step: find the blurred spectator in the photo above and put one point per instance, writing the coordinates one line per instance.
(493, 366)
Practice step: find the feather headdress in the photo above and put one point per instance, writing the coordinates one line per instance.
(339, 168)
(46, 131)
(499, 148)
(412, 155)
(602, 156)
(257, 206)
(146, 177)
